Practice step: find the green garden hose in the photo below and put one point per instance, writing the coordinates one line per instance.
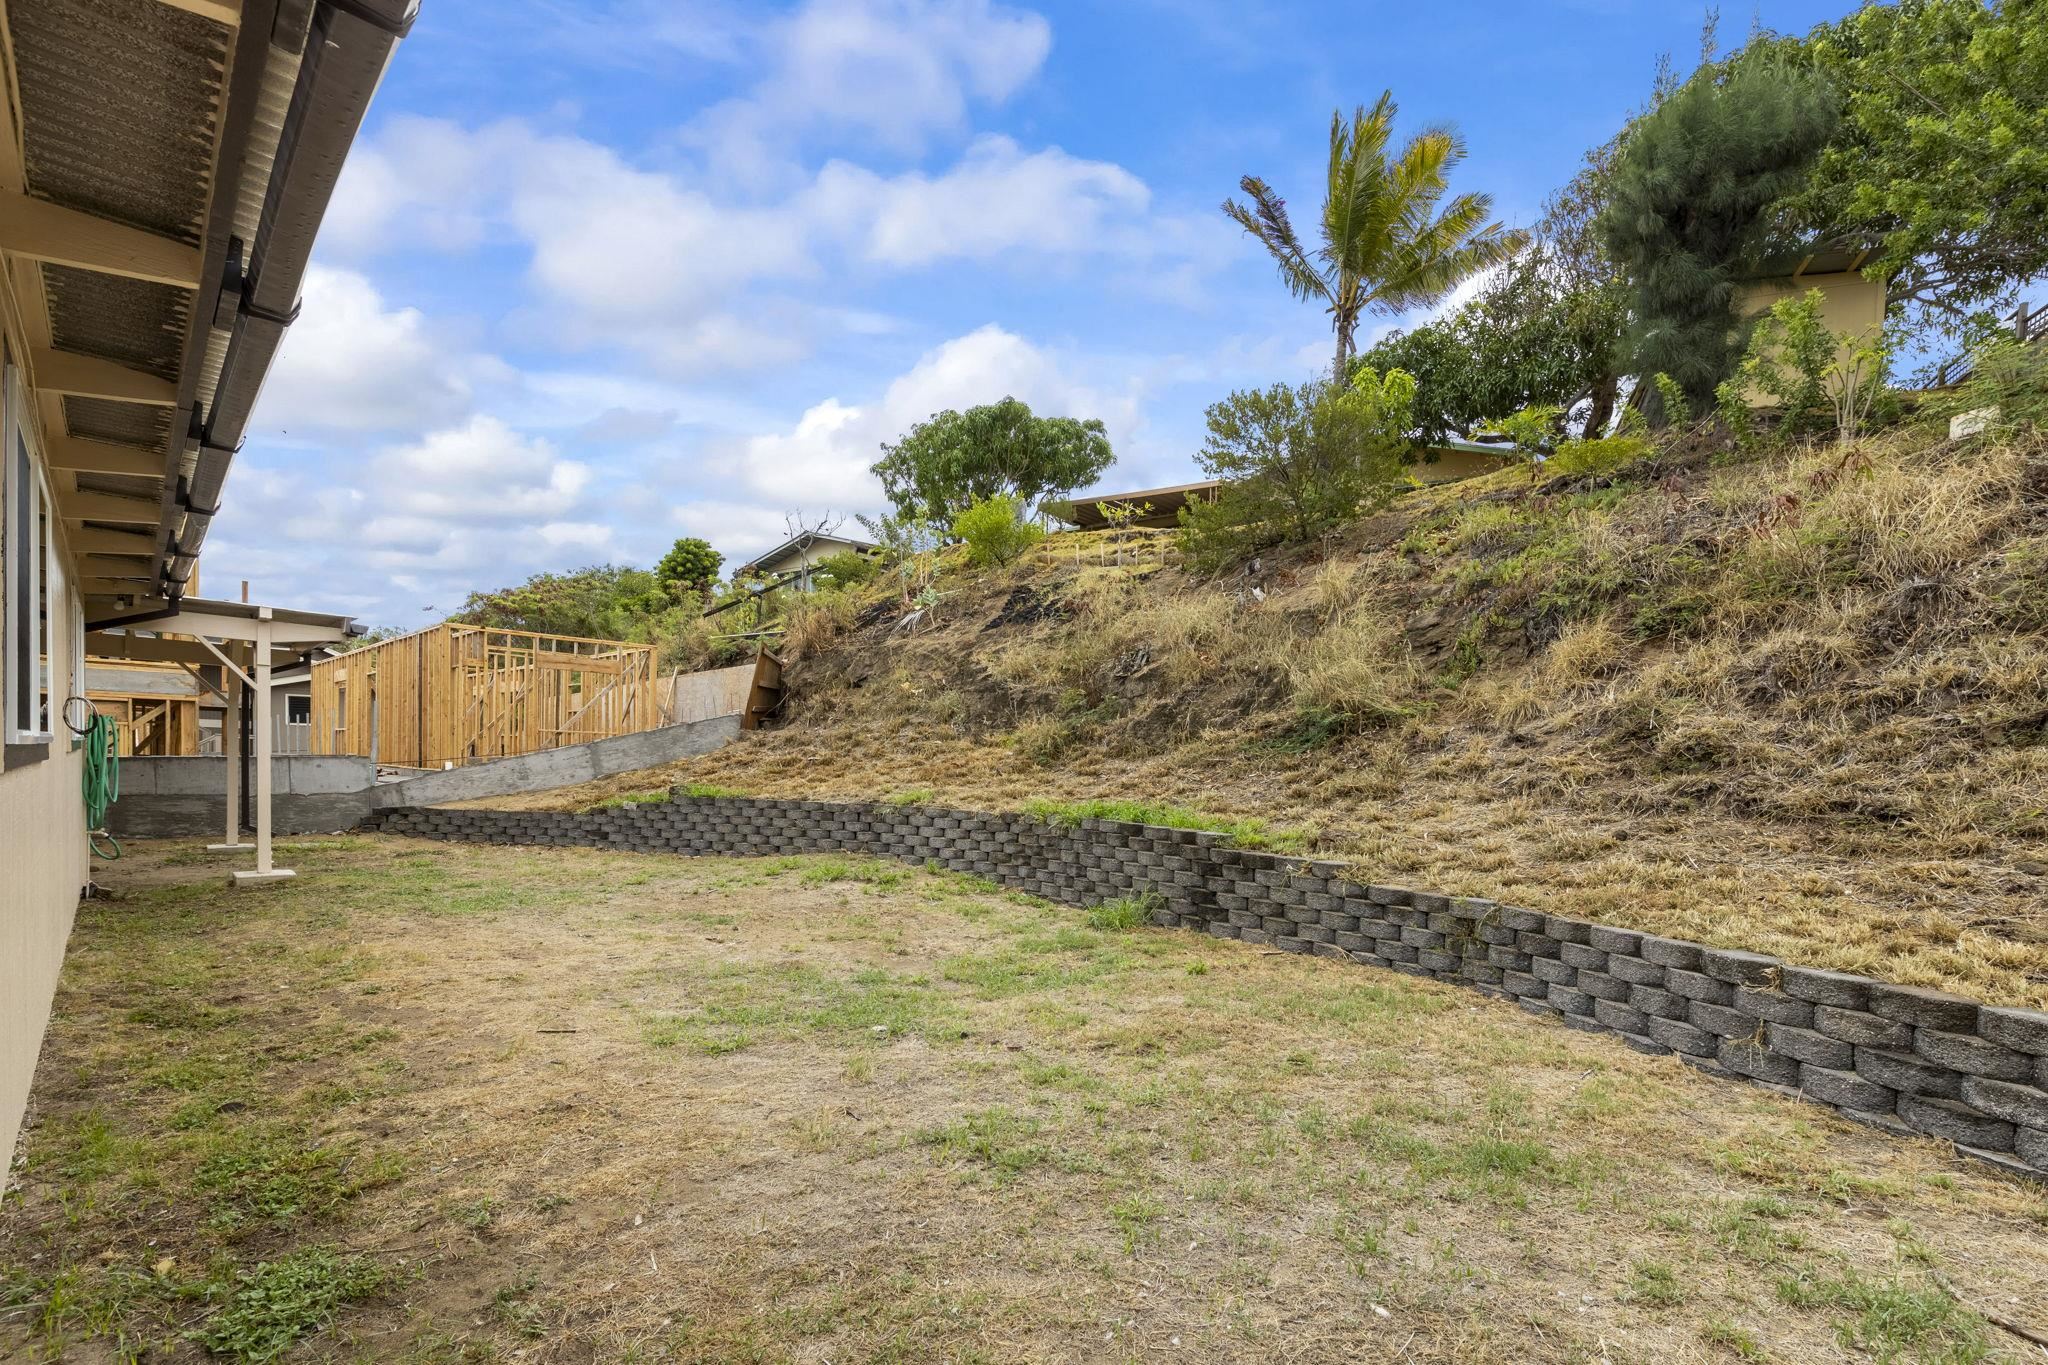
(101, 784)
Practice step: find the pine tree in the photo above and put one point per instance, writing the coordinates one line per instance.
(1693, 201)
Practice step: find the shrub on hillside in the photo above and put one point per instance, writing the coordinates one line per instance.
(815, 619)
(910, 550)
(848, 569)
(1815, 377)
(1598, 456)
(1297, 462)
(1355, 674)
(995, 530)
(2008, 385)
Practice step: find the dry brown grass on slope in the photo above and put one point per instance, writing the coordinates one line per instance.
(1797, 703)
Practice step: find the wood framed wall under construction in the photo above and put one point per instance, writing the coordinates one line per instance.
(459, 694)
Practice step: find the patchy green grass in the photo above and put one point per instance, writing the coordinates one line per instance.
(658, 796)
(1242, 833)
(994, 1142)
(624, 1107)
(1123, 914)
(1892, 1319)
(706, 790)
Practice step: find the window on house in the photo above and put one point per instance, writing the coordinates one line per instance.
(26, 558)
(298, 710)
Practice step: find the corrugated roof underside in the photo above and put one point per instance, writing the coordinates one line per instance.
(140, 324)
(121, 485)
(259, 160)
(128, 424)
(118, 108)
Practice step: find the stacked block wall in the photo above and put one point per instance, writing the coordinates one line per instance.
(1902, 1058)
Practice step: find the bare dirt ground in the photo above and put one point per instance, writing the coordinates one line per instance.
(440, 1103)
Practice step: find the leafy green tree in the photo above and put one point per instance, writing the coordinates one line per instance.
(690, 565)
(953, 460)
(1387, 241)
(1533, 335)
(1942, 150)
(1298, 461)
(1534, 430)
(604, 601)
(1694, 199)
(848, 569)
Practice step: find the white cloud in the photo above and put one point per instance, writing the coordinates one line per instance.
(351, 364)
(652, 262)
(634, 246)
(884, 72)
(738, 529)
(480, 472)
(420, 181)
(582, 535)
(826, 456)
(996, 201)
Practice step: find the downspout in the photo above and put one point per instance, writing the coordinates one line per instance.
(347, 46)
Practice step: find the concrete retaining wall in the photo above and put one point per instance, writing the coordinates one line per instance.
(563, 767)
(1901, 1058)
(712, 692)
(182, 797)
(173, 797)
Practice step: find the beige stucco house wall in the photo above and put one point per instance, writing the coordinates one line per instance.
(1454, 462)
(1851, 304)
(43, 861)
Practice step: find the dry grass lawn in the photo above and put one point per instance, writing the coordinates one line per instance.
(442, 1103)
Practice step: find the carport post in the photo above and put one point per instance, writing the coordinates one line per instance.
(260, 746)
(236, 697)
(231, 745)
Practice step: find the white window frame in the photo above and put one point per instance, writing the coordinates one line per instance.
(26, 568)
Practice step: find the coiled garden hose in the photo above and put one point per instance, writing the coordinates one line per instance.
(101, 784)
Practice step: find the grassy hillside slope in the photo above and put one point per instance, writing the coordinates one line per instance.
(1796, 702)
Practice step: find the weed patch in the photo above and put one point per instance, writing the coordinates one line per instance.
(996, 1141)
(270, 1307)
(1893, 1320)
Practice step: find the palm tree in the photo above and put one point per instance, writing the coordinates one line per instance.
(1381, 249)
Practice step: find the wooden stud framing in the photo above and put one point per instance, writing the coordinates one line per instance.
(459, 694)
(151, 725)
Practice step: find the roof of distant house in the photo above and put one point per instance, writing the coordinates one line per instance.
(1815, 259)
(800, 542)
(1162, 505)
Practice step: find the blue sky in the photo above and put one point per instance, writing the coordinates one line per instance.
(602, 274)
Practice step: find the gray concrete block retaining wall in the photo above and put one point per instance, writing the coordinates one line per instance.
(1902, 1058)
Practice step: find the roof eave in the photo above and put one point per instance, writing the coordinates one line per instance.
(346, 49)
